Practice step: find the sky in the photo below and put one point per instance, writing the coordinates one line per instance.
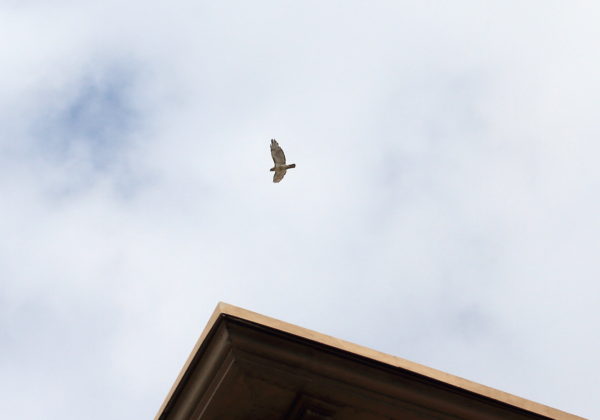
(444, 207)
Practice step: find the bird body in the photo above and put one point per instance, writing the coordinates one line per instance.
(277, 168)
(280, 168)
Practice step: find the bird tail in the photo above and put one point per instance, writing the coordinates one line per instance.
(293, 165)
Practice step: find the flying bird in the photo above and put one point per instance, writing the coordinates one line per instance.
(280, 167)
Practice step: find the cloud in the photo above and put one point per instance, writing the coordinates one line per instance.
(97, 115)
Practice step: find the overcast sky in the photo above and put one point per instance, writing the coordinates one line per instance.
(445, 207)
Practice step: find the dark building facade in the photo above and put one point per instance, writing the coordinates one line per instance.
(248, 366)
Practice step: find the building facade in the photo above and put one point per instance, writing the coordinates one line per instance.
(249, 366)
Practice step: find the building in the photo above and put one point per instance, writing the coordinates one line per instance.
(249, 366)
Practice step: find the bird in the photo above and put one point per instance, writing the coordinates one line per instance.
(280, 167)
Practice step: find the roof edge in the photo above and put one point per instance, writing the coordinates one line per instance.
(438, 375)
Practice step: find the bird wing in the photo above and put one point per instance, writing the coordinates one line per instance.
(277, 153)
(278, 175)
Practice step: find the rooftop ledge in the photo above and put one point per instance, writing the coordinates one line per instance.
(250, 366)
